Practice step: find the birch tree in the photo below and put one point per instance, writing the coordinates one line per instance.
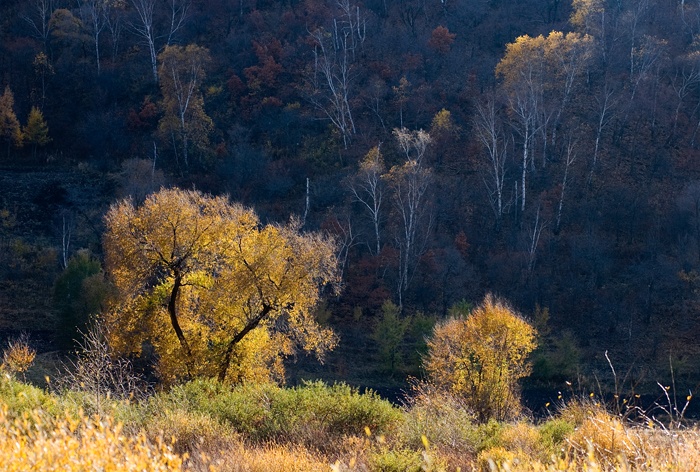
(39, 18)
(330, 80)
(185, 124)
(367, 188)
(522, 70)
(489, 131)
(409, 185)
(94, 16)
(149, 29)
(570, 157)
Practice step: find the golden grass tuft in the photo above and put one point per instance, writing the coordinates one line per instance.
(36, 442)
(237, 457)
(607, 437)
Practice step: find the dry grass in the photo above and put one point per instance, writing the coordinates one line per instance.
(34, 442)
(601, 441)
(268, 458)
(434, 433)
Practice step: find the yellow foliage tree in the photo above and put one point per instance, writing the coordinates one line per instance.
(539, 75)
(215, 293)
(482, 357)
(36, 132)
(10, 129)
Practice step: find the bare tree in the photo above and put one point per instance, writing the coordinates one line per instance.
(534, 234)
(144, 28)
(66, 236)
(97, 371)
(39, 19)
(94, 16)
(181, 73)
(525, 110)
(367, 188)
(352, 21)
(345, 238)
(145, 25)
(685, 81)
(488, 129)
(412, 143)
(569, 160)
(409, 184)
(330, 79)
(643, 59)
(114, 21)
(689, 203)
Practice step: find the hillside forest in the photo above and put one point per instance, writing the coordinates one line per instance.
(540, 150)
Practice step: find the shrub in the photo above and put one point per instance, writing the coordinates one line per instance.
(311, 413)
(190, 431)
(389, 335)
(18, 357)
(79, 292)
(448, 424)
(482, 357)
(523, 438)
(245, 407)
(553, 434)
(495, 458)
(270, 458)
(396, 460)
(21, 398)
(98, 373)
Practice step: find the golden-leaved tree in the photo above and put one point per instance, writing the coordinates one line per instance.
(211, 290)
(482, 357)
(36, 132)
(10, 130)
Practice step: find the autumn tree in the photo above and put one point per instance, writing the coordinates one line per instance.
(36, 132)
(441, 40)
(10, 130)
(481, 356)
(185, 123)
(538, 76)
(212, 290)
(522, 71)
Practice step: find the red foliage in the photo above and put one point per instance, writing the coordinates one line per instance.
(441, 40)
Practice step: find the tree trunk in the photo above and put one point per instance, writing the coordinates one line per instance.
(252, 324)
(172, 311)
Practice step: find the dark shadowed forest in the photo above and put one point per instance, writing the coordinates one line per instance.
(539, 150)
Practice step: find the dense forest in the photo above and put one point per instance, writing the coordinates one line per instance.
(538, 150)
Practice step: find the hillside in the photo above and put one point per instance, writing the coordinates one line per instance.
(540, 150)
